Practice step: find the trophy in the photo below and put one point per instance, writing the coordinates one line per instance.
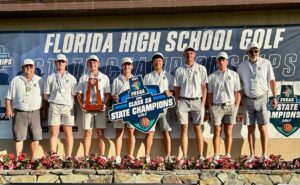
(93, 99)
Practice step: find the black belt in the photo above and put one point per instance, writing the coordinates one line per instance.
(256, 98)
(18, 110)
(197, 98)
(222, 104)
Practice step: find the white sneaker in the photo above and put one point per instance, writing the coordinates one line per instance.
(228, 156)
(250, 158)
(118, 159)
(216, 157)
(168, 159)
(201, 158)
(265, 158)
(147, 159)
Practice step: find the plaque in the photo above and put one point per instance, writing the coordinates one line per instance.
(93, 99)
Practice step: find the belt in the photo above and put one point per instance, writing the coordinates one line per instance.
(197, 98)
(18, 110)
(256, 98)
(222, 104)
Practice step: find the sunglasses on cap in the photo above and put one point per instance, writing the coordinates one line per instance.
(28, 65)
(253, 51)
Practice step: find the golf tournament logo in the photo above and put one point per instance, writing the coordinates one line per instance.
(140, 105)
(286, 117)
(5, 59)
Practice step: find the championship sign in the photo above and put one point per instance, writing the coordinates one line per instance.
(285, 117)
(141, 105)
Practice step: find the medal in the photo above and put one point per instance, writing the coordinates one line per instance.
(28, 89)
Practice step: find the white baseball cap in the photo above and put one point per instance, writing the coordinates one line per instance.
(189, 48)
(93, 57)
(28, 61)
(252, 45)
(61, 57)
(222, 55)
(157, 55)
(127, 60)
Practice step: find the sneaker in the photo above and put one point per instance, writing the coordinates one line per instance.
(168, 159)
(250, 158)
(216, 157)
(131, 157)
(103, 157)
(265, 158)
(147, 159)
(118, 159)
(228, 156)
(201, 157)
(184, 157)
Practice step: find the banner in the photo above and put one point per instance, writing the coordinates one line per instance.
(279, 44)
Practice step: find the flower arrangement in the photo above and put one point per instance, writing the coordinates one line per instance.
(53, 161)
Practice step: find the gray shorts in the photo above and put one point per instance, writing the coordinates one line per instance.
(189, 111)
(162, 122)
(91, 119)
(255, 111)
(24, 120)
(60, 115)
(223, 114)
(120, 124)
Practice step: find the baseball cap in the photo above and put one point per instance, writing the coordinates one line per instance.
(222, 54)
(28, 61)
(61, 57)
(93, 57)
(127, 60)
(157, 55)
(189, 48)
(252, 45)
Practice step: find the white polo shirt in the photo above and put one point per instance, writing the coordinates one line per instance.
(103, 84)
(164, 80)
(26, 96)
(61, 90)
(120, 85)
(262, 72)
(190, 80)
(223, 85)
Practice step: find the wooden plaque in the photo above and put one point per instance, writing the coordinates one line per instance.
(93, 98)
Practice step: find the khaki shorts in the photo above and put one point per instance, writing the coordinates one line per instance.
(223, 114)
(24, 120)
(60, 115)
(255, 111)
(189, 111)
(120, 124)
(162, 122)
(91, 119)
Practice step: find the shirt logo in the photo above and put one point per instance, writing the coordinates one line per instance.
(140, 105)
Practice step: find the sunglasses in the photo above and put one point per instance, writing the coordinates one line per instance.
(29, 65)
(253, 51)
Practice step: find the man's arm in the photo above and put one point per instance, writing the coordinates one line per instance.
(274, 93)
(204, 93)
(8, 110)
(237, 97)
(177, 92)
(80, 101)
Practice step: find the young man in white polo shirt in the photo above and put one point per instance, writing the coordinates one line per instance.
(121, 84)
(92, 118)
(23, 102)
(190, 93)
(59, 91)
(223, 100)
(165, 82)
(257, 76)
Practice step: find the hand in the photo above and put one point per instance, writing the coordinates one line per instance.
(83, 108)
(103, 108)
(115, 98)
(274, 103)
(9, 114)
